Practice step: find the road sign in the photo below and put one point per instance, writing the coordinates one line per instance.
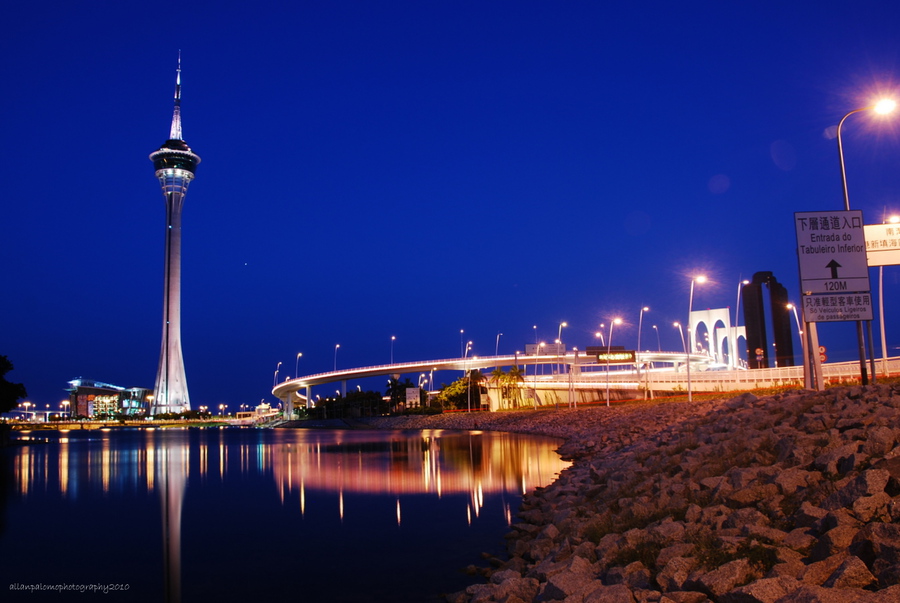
(883, 244)
(837, 307)
(616, 357)
(831, 249)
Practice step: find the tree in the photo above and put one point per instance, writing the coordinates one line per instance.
(500, 380)
(396, 391)
(513, 378)
(10, 393)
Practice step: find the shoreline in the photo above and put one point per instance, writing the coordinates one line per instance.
(783, 498)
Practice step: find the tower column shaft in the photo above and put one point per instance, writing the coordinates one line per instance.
(171, 391)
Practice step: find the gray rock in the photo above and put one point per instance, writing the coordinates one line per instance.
(724, 578)
(676, 573)
(852, 573)
(617, 593)
(766, 590)
(828, 462)
(525, 589)
(868, 483)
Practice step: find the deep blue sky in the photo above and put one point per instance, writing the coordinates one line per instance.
(415, 168)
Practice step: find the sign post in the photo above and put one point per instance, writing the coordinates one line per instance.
(834, 271)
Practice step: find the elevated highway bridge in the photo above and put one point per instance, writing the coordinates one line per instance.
(582, 379)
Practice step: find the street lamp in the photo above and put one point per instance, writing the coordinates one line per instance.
(802, 335)
(599, 334)
(615, 321)
(680, 330)
(275, 376)
(658, 343)
(336, 346)
(297, 366)
(882, 107)
(461, 331)
(537, 352)
(884, 355)
(559, 343)
(735, 355)
(637, 364)
(697, 279)
(497, 345)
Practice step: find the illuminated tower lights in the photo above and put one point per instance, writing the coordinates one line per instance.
(175, 165)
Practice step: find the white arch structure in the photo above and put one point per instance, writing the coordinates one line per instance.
(709, 318)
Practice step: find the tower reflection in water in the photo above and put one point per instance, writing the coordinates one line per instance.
(228, 469)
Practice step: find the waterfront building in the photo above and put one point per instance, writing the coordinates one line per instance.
(89, 398)
(175, 166)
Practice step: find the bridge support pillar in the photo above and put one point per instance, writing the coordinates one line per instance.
(344, 388)
(288, 406)
(309, 396)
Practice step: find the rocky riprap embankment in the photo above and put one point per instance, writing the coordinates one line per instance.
(788, 498)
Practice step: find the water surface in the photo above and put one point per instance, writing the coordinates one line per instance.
(239, 514)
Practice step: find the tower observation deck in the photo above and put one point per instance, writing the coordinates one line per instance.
(175, 165)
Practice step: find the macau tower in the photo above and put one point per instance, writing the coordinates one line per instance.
(175, 166)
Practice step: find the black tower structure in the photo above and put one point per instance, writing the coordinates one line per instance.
(755, 322)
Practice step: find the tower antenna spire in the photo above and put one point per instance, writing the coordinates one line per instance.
(175, 132)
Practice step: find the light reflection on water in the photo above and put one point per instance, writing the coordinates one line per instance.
(230, 500)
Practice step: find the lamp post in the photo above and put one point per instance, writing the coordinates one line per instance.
(735, 354)
(497, 345)
(468, 377)
(658, 343)
(537, 352)
(559, 343)
(599, 334)
(336, 346)
(696, 279)
(461, 331)
(393, 339)
(802, 335)
(637, 364)
(681, 331)
(884, 354)
(65, 405)
(275, 376)
(614, 321)
(882, 107)
(297, 365)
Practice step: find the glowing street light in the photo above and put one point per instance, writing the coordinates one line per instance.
(393, 339)
(802, 335)
(497, 345)
(297, 365)
(636, 363)
(882, 107)
(559, 344)
(735, 355)
(658, 343)
(275, 376)
(537, 352)
(614, 321)
(680, 330)
(884, 354)
(697, 279)
(336, 346)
